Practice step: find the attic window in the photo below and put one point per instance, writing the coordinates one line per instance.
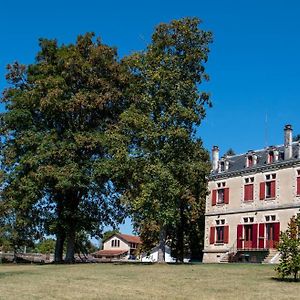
(222, 167)
(270, 176)
(270, 218)
(220, 222)
(249, 180)
(271, 157)
(248, 220)
(221, 184)
(250, 161)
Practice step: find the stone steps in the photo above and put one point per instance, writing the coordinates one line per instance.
(273, 257)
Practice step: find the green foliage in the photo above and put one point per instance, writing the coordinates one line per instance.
(45, 246)
(229, 152)
(289, 248)
(83, 244)
(156, 147)
(107, 234)
(84, 135)
(296, 138)
(54, 154)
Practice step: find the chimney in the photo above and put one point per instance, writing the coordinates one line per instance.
(215, 158)
(288, 139)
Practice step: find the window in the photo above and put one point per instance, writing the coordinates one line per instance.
(268, 188)
(298, 183)
(248, 189)
(115, 243)
(248, 219)
(220, 234)
(250, 161)
(221, 194)
(270, 218)
(271, 157)
(220, 198)
(222, 166)
(133, 245)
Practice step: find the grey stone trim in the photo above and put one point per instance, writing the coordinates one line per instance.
(238, 211)
(215, 250)
(253, 170)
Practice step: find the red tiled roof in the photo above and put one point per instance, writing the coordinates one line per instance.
(110, 252)
(130, 238)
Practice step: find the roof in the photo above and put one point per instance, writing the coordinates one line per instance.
(129, 238)
(238, 162)
(110, 252)
(126, 237)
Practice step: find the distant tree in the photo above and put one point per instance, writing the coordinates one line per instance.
(229, 152)
(107, 234)
(289, 249)
(296, 138)
(45, 246)
(83, 244)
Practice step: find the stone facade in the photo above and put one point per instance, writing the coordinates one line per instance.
(252, 198)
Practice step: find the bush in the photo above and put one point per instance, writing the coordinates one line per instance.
(289, 248)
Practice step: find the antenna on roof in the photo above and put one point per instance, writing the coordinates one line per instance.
(266, 130)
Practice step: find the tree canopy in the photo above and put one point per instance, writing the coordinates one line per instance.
(55, 174)
(87, 138)
(157, 147)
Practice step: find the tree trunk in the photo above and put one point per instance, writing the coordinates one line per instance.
(180, 236)
(60, 234)
(70, 246)
(162, 245)
(59, 247)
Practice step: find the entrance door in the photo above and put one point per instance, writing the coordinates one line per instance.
(248, 236)
(270, 235)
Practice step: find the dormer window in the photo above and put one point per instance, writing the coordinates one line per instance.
(271, 157)
(222, 166)
(250, 161)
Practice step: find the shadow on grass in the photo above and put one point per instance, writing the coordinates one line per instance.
(8, 274)
(289, 279)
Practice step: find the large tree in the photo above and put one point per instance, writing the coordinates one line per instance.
(54, 154)
(156, 144)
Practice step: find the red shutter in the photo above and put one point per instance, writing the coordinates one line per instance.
(261, 240)
(262, 189)
(214, 197)
(276, 233)
(239, 236)
(250, 192)
(298, 185)
(273, 188)
(254, 236)
(226, 234)
(246, 193)
(226, 195)
(212, 235)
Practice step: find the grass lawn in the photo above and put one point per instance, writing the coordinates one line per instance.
(108, 281)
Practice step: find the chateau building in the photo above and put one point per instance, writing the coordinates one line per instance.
(252, 198)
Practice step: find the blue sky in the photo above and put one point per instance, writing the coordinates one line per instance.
(254, 62)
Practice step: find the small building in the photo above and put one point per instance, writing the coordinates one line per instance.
(119, 246)
(153, 255)
(252, 198)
